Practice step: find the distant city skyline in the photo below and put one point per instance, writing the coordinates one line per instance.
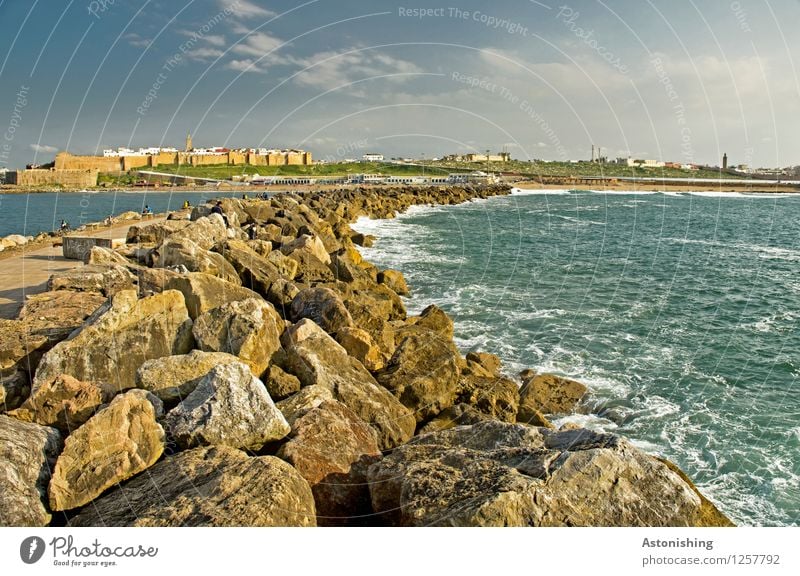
(673, 81)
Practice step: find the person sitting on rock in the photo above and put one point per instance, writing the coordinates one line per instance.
(217, 209)
(147, 210)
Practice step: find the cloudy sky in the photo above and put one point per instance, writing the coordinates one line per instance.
(667, 79)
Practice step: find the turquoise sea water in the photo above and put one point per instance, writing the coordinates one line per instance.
(30, 214)
(679, 311)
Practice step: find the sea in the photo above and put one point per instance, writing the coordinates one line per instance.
(30, 214)
(679, 311)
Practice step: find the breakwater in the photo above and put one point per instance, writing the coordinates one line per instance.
(257, 353)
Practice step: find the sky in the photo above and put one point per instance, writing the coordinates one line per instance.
(673, 80)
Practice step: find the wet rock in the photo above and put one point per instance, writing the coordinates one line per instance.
(324, 307)
(228, 407)
(27, 455)
(173, 378)
(316, 359)
(203, 292)
(249, 329)
(458, 415)
(551, 394)
(332, 448)
(216, 486)
(423, 374)
(496, 397)
(489, 362)
(394, 280)
(107, 279)
(63, 403)
(118, 442)
(119, 338)
(498, 474)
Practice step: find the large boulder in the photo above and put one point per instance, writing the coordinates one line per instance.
(286, 266)
(499, 474)
(316, 359)
(184, 252)
(497, 397)
(249, 329)
(324, 307)
(228, 407)
(118, 339)
(106, 279)
(259, 274)
(332, 448)
(203, 292)
(44, 320)
(279, 383)
(154, 233)
(27, 455)
(216, 486)
(432, 319)
(551, 394)
(118, 442)
(308, 398)
(173, 378)
(310, 269)
(205, 232)
(359, 345)
(423, 373)
(63, 403)
(394, 280)
(310, 244)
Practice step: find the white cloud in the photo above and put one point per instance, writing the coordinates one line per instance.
(244, 65)
(330, 68)
(215, 40)
(137, 41)
(245, 9)
(43, 149)
(204, 54)
(257, 45)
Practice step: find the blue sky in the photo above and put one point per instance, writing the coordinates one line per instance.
(674, 80)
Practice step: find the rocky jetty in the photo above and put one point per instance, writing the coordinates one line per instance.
(260, 372)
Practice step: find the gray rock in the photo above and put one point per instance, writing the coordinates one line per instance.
(27, 455)
(229, 407)
(118, 442)
(499, 474)
(173, 378)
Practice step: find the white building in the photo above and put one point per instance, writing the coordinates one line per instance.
(635, 162)
(372, 157)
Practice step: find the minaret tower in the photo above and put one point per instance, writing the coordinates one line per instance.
(188, 142)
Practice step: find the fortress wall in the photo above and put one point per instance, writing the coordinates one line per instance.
(237, 158)
(66, 161)
(131, 162)
(76, 178)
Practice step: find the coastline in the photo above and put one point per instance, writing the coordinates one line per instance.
(350, 307)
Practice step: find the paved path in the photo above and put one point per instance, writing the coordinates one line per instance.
(28, 272)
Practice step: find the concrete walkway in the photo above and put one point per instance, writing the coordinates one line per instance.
(27, 273)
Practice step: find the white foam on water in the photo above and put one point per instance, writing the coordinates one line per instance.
(555, 192)
(624, 192)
